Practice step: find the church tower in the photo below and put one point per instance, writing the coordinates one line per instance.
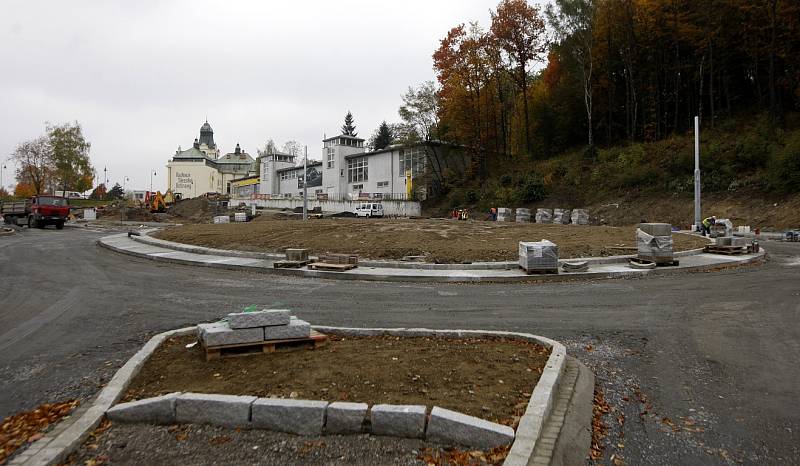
(206, 143)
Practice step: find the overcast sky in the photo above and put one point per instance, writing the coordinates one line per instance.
(142, 76)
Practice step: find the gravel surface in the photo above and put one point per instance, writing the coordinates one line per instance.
(142, 444)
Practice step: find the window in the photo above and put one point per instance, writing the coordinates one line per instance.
(383, 184)
(412, 160)
(331, 157)
(358, 186)
(357, 170)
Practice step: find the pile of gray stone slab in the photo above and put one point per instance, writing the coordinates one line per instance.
(253, 327)
(731, 241)
(654, 242)
(505, 214)
(544, 216)
(538, 255)
(561, 216)
(523, 215)
(309, 417)
(580, 217)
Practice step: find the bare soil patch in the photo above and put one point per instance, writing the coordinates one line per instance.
(488, 378)
(438, 240)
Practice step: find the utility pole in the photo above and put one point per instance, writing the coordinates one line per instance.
(697, 213)
(2, 167)
(152, 172)
(305, 184)
(105, 177)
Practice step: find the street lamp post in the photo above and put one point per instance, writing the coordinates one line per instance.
(152, 172)
(105, 177)
(2, 167)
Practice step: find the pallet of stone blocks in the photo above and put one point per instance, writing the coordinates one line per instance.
(538, 257)
(654, 243)
(580, 217)
(523, 215)
(544, 216)
(247, 333)
(727, 245)
(222, 219)
(335, 262)
(295, 258)
(561, 216)
(505, 214)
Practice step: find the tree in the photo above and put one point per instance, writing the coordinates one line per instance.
(382, 138)
(99, 193)
(34, 164)
(4, 194)
(25, 190)
(519, 31)
(70, 156)
(349, 129)
(420, 111)
(116, 193)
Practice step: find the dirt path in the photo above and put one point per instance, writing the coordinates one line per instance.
(490, 379)
(439, 240)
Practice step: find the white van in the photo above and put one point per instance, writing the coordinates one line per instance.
(369, 209)
(69, 194)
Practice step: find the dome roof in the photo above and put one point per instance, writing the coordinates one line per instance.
(206, 127)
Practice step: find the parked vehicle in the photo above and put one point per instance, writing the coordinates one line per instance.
(369, 209)
(37, 211)
(70, 194)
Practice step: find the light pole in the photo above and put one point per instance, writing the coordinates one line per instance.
(152, 172)
(305, 185)
(697, 213)
(105, 177)
(124, 186)
(2, 167)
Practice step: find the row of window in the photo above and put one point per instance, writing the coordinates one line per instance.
(344, 142)
(357, 170)
(290, 175)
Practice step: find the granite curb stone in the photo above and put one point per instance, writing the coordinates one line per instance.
(302, 417)
(296, 328)
(221, 333)
(159, 410)
(264, 318)
(446, 426)
(222, 410)
(398, 420)
(345, 418)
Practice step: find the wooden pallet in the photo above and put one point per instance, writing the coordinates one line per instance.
(331, 267)
(539, 271)
(290, 264)
(658, 262)
(726, 250)
(314, 341)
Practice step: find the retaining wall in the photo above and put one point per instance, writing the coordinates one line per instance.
(390, 208)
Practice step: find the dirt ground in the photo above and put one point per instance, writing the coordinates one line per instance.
(439, 240)
(490, 379)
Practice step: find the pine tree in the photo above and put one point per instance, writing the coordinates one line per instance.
(382, 138)
(349, 129)
(115, 193)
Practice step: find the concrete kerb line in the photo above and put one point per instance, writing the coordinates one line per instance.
(51, 450)
(145, 238)
(395, 275)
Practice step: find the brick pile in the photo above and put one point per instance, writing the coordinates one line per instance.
(253, 327)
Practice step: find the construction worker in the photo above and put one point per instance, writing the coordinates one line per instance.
(707, 223)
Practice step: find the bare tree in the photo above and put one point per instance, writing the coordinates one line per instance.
(34, 163)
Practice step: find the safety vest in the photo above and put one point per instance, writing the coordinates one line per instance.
(707, 222)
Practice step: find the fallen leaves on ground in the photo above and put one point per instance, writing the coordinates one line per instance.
(456, 457)
(26, 427)
(599, 427)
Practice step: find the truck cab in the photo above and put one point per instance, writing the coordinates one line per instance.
(48, 210)
(369, 209)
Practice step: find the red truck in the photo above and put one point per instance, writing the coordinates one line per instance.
(37, 211)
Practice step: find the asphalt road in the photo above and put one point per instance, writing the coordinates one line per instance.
(698, 369)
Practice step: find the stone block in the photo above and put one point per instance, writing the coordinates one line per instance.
(295, 329)
(398, 420)
(538, 255)
(220, 333)
(158, 410)
(580, 217)
(297, 254)
(544, 216)
(561, 216)
(218, 410)
(345, 418)
(450, 427)
(222, 219)
(656, 229)
(740, 242)
(723, 241)
(265, 318)
(302, 417)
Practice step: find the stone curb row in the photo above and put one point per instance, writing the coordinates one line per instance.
(312, 417)
(55, 448)
(145, 238)
(464, 277)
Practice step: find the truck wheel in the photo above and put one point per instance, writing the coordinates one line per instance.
(60, 226)
(31, 222)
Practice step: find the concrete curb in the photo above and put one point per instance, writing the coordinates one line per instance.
(397, 275)
(145, 238)
(54, 449)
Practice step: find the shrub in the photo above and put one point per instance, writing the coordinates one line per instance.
(531, 188)
(784, 167)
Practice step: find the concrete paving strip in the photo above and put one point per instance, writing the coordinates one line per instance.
(688, 263)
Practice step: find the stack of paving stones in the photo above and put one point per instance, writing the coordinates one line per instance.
(561, 216)
(505, 214)
(297, 255)
(253, 327)
(339, 259)
(580, 217)
(313, 418)
(523, 215)
(654, 242)
(240, 217)
(538, 256)
(544, 216)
